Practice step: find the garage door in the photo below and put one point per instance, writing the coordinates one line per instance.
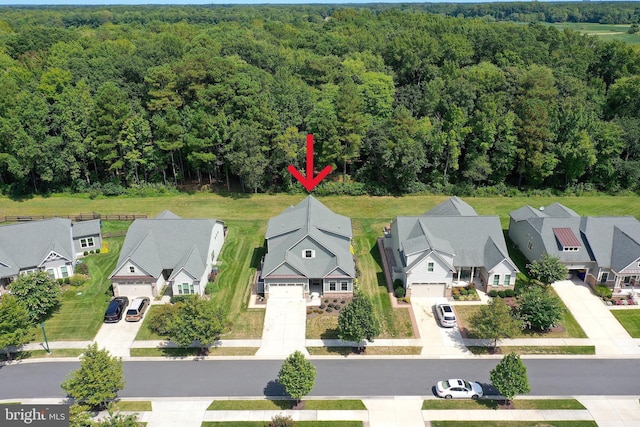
(427, 290)
(288, 290)
(132, 291)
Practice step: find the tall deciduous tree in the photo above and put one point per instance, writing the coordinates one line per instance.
(539, 309)
(495, 321)
(510, 377)
(98, 380)
(297, 375)
(38, 292)
(547, 269)
(357, 321)
(14, 323)
(197, 320)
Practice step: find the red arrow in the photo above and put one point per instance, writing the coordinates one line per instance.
(309, 182)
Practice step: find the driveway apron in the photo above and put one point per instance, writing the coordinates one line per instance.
(435, 339)
(609, 337)
(118, 337)
(284, 327)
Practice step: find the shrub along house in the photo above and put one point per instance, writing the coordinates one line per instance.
(450, 245)
(51, 245)
(308, 251)
(603, 250)
(167, 250)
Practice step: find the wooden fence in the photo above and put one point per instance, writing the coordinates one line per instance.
(79, 217)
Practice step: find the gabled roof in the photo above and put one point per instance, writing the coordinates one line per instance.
(472, 240)
(611, 239)
(308, 225)
(453, 206)
(27, 245)
(167, 214)
(167, 243)
(85, 228)
(626, 250)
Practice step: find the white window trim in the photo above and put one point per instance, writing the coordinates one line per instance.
(132, 269)
(84, 243)
(431, 267)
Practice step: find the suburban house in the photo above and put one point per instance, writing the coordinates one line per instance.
(308, 253)
(167, 250)
(52, 245)
(602, 250)
(450, 245)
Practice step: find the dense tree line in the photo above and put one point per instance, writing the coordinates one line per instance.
(398, 100)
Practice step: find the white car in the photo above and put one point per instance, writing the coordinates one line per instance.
(446, 316)
(457, 388)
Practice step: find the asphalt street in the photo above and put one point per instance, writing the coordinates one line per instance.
(349, 377)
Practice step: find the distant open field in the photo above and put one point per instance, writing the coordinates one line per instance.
(604, 31)
(265, 206)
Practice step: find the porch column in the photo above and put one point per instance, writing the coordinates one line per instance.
(473, 270)
(459, 273)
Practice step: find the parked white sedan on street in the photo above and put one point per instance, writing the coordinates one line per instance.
(457, 388)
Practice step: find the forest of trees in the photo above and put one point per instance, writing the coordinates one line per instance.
(399, 99)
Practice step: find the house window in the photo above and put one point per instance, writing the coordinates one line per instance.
(308, 253)
(186, 289)
(51, 273)
(430, 267)
(86, 243)
(213, 255)
(570, 249)
(132, 269)
(64, 271)
(496, 279)
(332, 286)
(344, 286)
(530, 245)
(507, 279)
(604, 277)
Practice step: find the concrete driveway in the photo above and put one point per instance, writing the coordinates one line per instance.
(436, 340)
(609, 337)
(118, 337)
(285, 325)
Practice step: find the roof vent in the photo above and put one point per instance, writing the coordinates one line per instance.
(541, 208)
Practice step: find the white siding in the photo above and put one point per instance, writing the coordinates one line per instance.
(126, 270)
(420, 273)
(183, 277)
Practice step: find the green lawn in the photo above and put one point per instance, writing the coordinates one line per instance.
(602, 31)
(630, 320)
(190, 352)
(251, 405)
(545, 404)
(559, 349)
(81, 312)
(131, 405)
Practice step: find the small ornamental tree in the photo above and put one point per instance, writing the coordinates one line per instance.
(510, 377)
(495, 321)
(357, 321)
(14, 323)
(297, 376)
(539, 309)
(547, 269)
(38, 292)
(98, 380)
(199, 320)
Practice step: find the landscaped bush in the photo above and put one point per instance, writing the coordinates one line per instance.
(463, 291)
(98, 250)
(493, 293)
(329, 309)
(509, 293)
(91, 251)
(281, 421)
(603, 292)
(331, 305)
(77, 280)
(82, 268)
(159, 319)
(60, 281)
(85, 253)
(398, 284)
(400, 292)
(67, 281)
(337, 307)
(181, 298)
(322, 306)
(502, 293)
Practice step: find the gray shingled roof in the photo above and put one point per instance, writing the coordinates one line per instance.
(85, 228)
(474, 240)
(453, 206)
(167, 243)
(554, 210)
(308, 225)
(27, 245)
(603, 240)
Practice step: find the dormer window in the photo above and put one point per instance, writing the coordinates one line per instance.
(308, 253)
(567, 239)
(132, 269)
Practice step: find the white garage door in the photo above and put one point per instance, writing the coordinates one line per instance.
(427, 290)
(286, 290)
(132, 291)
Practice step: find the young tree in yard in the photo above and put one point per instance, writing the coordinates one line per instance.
(14, 323)
(297, 375)
(98, 380)
(547, 269)
(510, 377)
(39, 293)
(494, 321)
(539, 309)
(357, 321)
(197, 320)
